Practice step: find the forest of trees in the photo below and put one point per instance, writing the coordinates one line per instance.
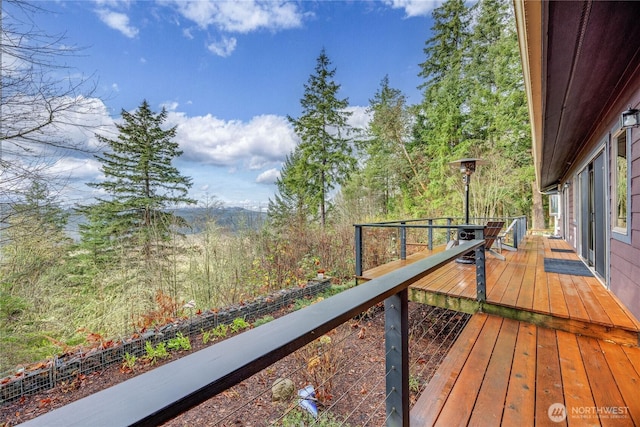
(132, 256)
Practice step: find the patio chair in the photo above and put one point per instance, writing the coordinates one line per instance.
(502, 236)
(491, 234)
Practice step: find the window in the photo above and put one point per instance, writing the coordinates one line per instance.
(554, 203)
(620, 188)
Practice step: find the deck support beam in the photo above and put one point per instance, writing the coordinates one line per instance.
(396, 337)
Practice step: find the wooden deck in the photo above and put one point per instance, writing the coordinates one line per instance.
(540, 339)
(504, 372)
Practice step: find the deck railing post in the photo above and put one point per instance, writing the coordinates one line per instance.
(430, 235)
(481, 274)
(396, 338)
(403, 240)
(358, 245)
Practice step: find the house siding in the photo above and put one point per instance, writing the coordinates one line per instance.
(625, 257)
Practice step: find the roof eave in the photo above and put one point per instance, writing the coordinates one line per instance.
(529, 24)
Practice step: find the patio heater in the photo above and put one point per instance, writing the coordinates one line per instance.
(467, 167)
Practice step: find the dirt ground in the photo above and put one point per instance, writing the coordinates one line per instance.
(346, 369)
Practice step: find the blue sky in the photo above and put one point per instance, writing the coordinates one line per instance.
(230, 72)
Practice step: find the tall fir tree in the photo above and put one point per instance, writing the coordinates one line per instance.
(473, 106)
(498, 124)
(291, 202)
(325, 149)
(439, 131)
(142, 184)
(389, 168)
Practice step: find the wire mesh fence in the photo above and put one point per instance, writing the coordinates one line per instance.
(45, 375)
(338, 379)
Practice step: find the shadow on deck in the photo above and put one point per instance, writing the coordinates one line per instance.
(544, 349)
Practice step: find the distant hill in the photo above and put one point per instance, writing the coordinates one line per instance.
(231, 219)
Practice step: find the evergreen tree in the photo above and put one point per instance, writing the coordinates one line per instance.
(142, 184)
(325, 153)
(36, 238)
(497, 122)
(473, 106)
(439, 132)
(389, 167)
(291, 201)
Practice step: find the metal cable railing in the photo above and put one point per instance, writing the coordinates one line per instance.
(381, 242)
(166, 392)
(358, 398)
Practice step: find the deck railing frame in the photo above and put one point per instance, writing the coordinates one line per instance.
(518, 232)
(159, 395)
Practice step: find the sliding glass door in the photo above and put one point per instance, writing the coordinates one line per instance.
(592, 214)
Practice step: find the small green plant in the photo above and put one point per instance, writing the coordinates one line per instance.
(206, 336)
(262, 321)
(129, 362)
(304, 302)
(220, 331)
(301, 303)
(155, 353)
(414, 384)
(180, 342)
(239, 324)
(298, 417)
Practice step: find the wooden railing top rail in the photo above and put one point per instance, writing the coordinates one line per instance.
(169, 390)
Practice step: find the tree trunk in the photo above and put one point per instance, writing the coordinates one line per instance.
(537, 208)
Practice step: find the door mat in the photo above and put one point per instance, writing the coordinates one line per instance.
(561, 250)
(566, 266)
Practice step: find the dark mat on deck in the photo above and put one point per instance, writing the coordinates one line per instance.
(561, 250)
(566, 266)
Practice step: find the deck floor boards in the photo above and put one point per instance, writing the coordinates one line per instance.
(515, 372)
(510, 370)
(493, 392)
(577, 392)
(519, 407)
(548, 375)
(470, 379)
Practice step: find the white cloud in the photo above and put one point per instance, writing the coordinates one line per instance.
(414, 7)
(118, 21)
(259, 143)
(268, 177)
(241, 16)
(169, 105)
(187, 33)
(224, 47)
(360, 117)
(82, 169)
(113, 3)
